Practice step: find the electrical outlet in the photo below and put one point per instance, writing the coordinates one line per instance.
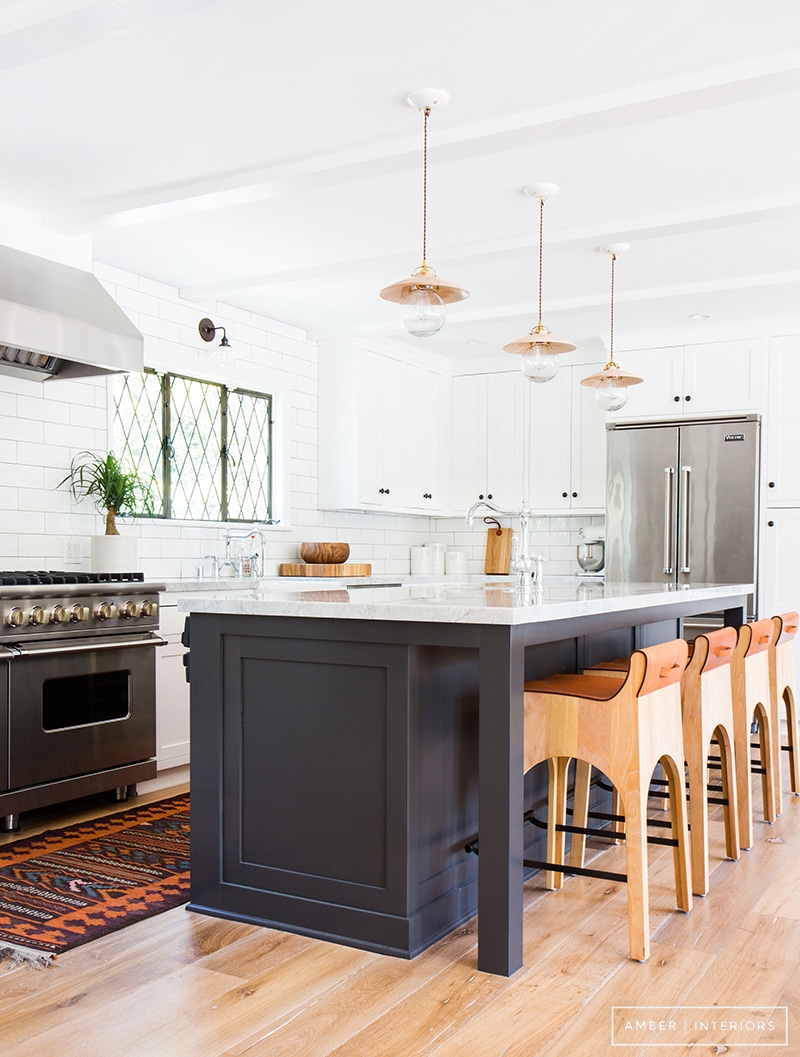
(72, 550)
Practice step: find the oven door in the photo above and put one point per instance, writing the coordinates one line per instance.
(80, 707)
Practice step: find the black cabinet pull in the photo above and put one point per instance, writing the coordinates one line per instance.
(771, 524)
(771, 484)
(574, 495)
(563, 495)
(480, 497)
(489, 496)
(677, 399)
(427, 495)
(687, 399)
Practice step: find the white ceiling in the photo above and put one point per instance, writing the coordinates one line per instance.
(262, 154)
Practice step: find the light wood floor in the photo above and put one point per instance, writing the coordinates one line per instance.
(184, 985)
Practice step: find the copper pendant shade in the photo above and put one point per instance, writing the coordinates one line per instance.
(424, 293)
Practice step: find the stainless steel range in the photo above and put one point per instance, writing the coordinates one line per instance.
(77, 686)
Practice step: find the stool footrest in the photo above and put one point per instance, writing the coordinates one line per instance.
(581, 871)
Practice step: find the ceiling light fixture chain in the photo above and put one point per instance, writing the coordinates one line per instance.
(541, 255)
(611, 314)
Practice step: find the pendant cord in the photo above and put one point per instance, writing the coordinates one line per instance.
(611, 328)
(425, 188)
(541, 228)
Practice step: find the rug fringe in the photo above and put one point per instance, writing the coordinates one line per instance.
(26, 956)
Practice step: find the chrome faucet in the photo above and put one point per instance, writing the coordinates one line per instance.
(257, 558)
(526, 566)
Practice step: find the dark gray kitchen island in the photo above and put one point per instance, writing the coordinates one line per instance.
(346, 744)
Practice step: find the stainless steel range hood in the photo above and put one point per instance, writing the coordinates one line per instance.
(57, 320)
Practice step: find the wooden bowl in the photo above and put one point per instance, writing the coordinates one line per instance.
(325, 553)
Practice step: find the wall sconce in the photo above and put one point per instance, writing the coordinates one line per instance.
(208, 330)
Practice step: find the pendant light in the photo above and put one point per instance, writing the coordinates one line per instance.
(540, 349)
(423, 294)
(611, 384)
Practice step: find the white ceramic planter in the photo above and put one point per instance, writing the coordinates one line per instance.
(114, 554)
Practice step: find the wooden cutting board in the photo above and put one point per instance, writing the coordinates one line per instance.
(306, 569)
(498, 550)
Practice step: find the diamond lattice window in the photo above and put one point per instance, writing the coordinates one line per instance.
(207, 449)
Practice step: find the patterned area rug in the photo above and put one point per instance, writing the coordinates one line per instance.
(65, 887)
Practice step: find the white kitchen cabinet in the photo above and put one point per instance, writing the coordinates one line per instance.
(782, 422)
(488, 440)
(715, 378)
(381, 432)
(781, 570)
(567, 438)
(172, 690)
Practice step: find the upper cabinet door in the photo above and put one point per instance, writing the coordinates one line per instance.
(567, 444)
(424, 440)
(661, 390)
(782, 424)
(468, 440)
(505, 442)
(722, 377)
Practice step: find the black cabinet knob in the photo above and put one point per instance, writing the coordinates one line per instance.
(677, 399)
(687, 399)
(574, 495)
(490, 496)
(771, 524)
(563, 495)
(771, 484)
(480, 497)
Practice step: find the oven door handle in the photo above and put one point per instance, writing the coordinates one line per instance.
(86, 645)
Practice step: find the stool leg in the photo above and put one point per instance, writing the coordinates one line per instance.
(580, 811)
(792, 741)
(634, 806)
(766, 747)
(698, 812)
(680, 831)
(556, 815)
(731, 808)
(744, 789)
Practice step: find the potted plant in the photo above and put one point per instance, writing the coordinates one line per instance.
(114, 491)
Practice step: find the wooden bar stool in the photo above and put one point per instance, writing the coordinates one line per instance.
(707, 708)
(784, 688)
(624, 727)
(752, 700)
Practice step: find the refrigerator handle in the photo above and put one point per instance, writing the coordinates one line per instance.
(669, 491)
(686, 487)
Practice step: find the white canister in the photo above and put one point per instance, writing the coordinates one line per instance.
(456, 561)
(437, 549)
(421, 561)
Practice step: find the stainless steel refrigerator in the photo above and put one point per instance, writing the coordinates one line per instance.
(682, 501)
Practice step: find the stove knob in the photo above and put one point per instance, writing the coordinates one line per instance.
(130, 609)
(17, 618)
(105, 611)
(79, 613)
(149, 609)
(38, 615)
(60, 615)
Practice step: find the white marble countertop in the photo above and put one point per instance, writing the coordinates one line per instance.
(479, 600)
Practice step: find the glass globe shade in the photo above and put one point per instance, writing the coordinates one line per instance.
(538, 364)
(423, 314)
(612, 394)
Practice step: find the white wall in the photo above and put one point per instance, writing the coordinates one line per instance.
(43, 424)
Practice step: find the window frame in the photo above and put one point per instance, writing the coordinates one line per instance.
(167, 431)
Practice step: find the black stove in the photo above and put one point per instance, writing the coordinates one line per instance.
(21, 578)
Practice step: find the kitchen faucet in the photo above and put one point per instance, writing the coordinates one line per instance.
(257, 558)
(526, 565)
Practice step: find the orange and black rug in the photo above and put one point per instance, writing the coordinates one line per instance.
(65, 887)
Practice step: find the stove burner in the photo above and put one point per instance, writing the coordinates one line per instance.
(41, 576)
